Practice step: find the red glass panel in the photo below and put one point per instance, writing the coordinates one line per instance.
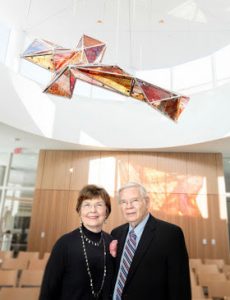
(72, 81)
(154, 93)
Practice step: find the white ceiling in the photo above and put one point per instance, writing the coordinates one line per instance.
(140, 35)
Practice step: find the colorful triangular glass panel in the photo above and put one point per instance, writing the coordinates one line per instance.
(89, 42)
(154, 93)
(44, 61)
(136, 91)
(62, 85)
(36, 46)
(80, 44)
(121, 84)
(93, 54)
(107, 69)
(168, 108)
(62, 58)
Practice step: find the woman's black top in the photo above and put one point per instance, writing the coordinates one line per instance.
(66, 276)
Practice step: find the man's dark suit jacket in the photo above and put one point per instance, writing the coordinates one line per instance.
(160, 269)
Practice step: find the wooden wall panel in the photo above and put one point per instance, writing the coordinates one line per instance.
(34, 237)
(72, 217)
(58, 216)
(115, 217)
(176, 179)
(40, 217)
(113, 170)
(218, 226)
(122, 169)
(143, 168)
(202, 167)
(48, 219)
(56, 171)
(174, 166)
(40, 168)
(185, 188)
(109, 169)
(220, 174)
(85, 166)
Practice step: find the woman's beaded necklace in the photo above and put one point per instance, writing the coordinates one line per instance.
(83, 238)
(97, 244)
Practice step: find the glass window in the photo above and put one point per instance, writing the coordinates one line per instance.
(17, 199)
(226, 163)
(23, 170)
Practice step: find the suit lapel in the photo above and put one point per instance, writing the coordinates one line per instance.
(147, 236)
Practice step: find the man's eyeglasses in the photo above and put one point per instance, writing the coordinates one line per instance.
(132, 202)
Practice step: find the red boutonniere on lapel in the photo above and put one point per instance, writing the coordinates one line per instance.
(113, 248)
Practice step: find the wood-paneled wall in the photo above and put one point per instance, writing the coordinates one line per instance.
(185, 188)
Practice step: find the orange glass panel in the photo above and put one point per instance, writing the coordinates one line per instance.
(61, 58)
(88, 41)
(62, 85)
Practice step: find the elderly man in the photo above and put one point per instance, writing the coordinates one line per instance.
(152, 260)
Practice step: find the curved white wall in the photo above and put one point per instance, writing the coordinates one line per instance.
(126, 123)
(188, 40)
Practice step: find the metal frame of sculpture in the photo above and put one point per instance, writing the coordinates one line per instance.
(84, 63)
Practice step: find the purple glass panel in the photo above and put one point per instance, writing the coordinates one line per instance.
(36, 47)
(93, 53)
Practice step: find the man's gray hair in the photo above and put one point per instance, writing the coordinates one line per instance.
(142, 189)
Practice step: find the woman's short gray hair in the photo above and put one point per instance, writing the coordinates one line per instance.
(142, 189)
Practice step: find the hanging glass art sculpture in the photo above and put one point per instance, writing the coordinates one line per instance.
(84, 63)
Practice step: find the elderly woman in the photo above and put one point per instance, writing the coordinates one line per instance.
(80, 265)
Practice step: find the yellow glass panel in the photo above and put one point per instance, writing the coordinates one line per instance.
(118, 83)
(44, 61)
